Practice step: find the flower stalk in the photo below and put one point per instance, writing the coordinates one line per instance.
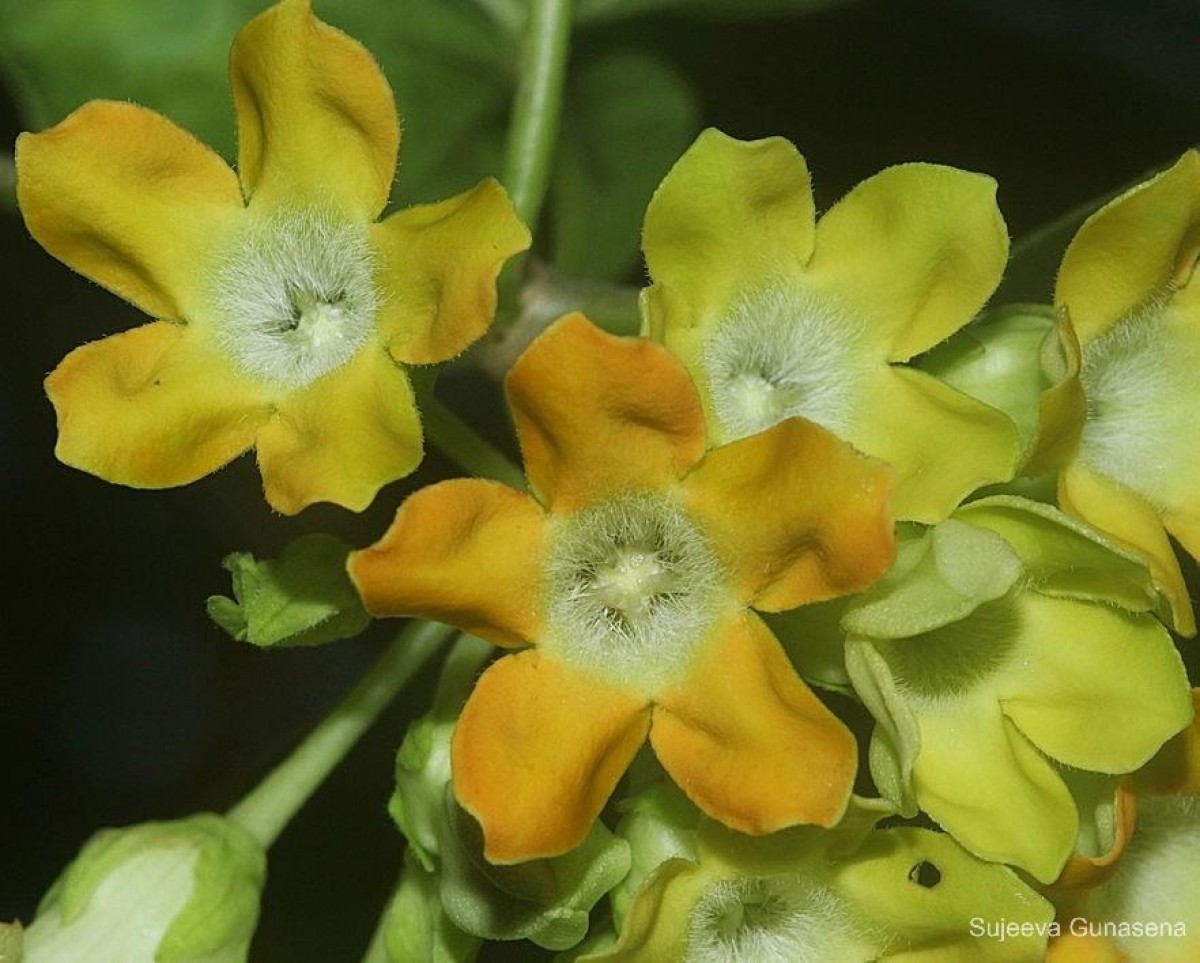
(270, 806)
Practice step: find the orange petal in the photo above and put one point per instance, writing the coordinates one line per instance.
(1131, 520)
(343, 437)
(599, 415)
(537, 752)
(466, 552)
(152, 408)
(1131, 249)
(796, 514)
(748, 742)
(316, 117)
(122, 195)
(437, 271)
(1082, 948)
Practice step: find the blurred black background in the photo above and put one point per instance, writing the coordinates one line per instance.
(120, 702)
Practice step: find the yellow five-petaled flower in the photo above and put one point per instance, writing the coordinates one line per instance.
(285, 312)
(626, 580)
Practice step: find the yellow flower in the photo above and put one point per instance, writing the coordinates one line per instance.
(285, 313)
(1122, 420)
(630, 575)
(776, 314)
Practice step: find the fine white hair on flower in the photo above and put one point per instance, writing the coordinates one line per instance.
(785, 350)
(295, 295)
(773, 919)
(631, 589)
(1137, 378)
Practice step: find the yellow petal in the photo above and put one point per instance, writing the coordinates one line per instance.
(466, 552)
(1131, 520)
(1082, 948)
(941, 444)
(796, 515)
(437, 271)
(747, 740)
(152, 408)
(916, 250)
(1062, 408)
(1131, 249)
(537, 752)
(122, 195)
(599, 415)
(343, 437)
(316, 117)
(728, 215)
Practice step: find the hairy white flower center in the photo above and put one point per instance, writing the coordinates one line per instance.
(295, 296)
(632, 589)
(784, 351)
(1138, 379)
(775, 919)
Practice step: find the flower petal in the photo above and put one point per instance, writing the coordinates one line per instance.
(122, 195)
(437, 271)
(916, 250)
(982, 780)
(1131, 249)
(153, 407)
(599, 415)
(748, 742)
(1084, 871)
(941, 444)
(466, 552)
(315, 114)
(796, 514)
(537, 752)
(1075, 691)
(1131, 520)
(343, 437)
(728, 215)
(1062, 408)
(1175, 769)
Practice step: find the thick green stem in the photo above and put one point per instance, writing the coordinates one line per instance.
(537, 106)
(455, 439)
(268, 808)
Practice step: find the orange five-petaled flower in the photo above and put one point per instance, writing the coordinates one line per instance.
(626, 582)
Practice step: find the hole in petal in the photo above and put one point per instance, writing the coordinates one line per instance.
(925, 874)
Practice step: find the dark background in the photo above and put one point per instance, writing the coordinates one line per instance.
(120, 702)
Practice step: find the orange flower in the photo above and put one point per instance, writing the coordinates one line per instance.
(629, 575)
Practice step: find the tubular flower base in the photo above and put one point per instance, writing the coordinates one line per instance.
(1130, 302)
(285, 313)
(776, 315)
(629, 575)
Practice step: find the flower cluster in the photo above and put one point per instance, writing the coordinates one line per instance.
(788, 518)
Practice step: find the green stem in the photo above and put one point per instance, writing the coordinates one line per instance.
(457, 440)
(537, 106)
(270, 806)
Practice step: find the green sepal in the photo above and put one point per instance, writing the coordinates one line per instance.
(937, 579)
(995, 359)
(416, 929)
(1062, 556)
(659, 823)
(302, 598)
(218, 916)
(423, 761)
(546, 901)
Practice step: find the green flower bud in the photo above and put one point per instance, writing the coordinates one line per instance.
(185, 891)
(659, 823)
(11, 942)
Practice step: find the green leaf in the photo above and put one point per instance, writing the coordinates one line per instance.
(304, 597)
(544, 900)
(627, 117)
